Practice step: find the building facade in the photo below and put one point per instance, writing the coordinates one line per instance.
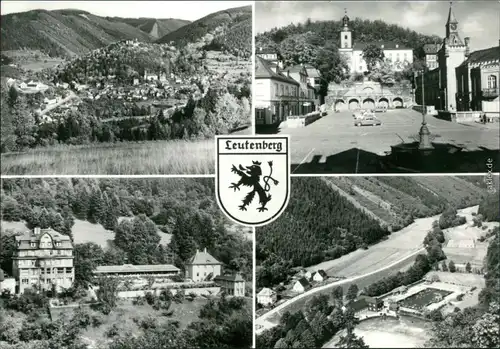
(431, 55)
(267, 297)
(306, 92)
(397, 55)
(440, 84)
(301, 285)
(203, 267)
(477, 79)
(43, 258)
(276, 93)
(232, 285)
(368, 95)
(320, 276)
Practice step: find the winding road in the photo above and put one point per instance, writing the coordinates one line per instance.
(262, 323)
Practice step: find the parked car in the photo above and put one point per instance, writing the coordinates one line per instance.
(367, 120)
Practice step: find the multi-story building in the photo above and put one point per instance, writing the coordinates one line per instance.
(267, 297)
(232, 285)
(276, 93)
(203, 267)
(431, 55)
(397, 55)
(477, 79)
(306, 91)
(453, 52)
(43, 258)
(314, 80)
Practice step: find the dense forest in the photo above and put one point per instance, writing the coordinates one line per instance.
(321, 224)
(230, 19)
(184, 208)
(221, 323)
(316, 43)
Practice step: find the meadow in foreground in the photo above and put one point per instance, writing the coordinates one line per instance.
(150, 157)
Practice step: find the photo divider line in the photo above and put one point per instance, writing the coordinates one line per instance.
(252, 111)
(254, 285)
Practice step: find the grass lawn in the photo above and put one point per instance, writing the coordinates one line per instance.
(84, 231)
(15, 226)
(123, 316)
(130, 158)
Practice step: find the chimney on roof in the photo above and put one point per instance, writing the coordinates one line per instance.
(467, 49)
(36, 231)
(397, 45)
(205, 250)
(197, 251)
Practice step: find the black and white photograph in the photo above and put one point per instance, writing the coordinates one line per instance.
(122, 264)
(381, 262)
(122, 87)
(380, 87)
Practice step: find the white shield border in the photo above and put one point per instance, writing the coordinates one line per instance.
(288, 177)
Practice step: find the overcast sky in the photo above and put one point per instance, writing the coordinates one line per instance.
(476, 19)
(189, 10)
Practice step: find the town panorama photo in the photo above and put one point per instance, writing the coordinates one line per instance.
(386, 87)
(122, 88)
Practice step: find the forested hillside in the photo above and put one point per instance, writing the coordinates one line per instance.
(329, 31)
(396, 201)
(236, 22)
(74, 32)
(153, 26)
(316, 43)
(318, 224)
(64, 32)
(321, 223)
(184, 208)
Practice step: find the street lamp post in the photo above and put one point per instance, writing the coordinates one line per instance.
(424, 133)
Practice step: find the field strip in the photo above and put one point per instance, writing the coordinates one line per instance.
(354, 201)
(262, 319)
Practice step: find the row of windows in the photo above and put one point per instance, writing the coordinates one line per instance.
(47, 244)
(47, 281)
(42, 263)
(46, 271)
(46, 253)
(285, 90)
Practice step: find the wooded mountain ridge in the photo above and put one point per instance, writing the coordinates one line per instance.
(321, 223)
(363, 30)
(74, 32)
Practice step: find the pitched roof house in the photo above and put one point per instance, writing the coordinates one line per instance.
(301, 285)
(203, 267)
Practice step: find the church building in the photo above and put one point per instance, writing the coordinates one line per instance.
(395, 54)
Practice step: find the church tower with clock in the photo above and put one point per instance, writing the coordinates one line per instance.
(453, 52)
(346, 49)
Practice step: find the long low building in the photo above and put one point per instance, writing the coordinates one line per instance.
(130, 270)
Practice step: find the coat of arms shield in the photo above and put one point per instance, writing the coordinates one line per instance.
(252, 177)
